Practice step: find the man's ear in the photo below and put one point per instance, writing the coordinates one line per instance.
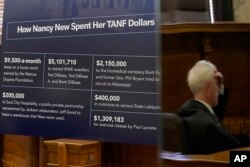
(208, 85)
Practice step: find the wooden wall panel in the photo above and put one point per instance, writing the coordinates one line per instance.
(129, 155)
(225, 45)
(174, 83)
(233, 65)
(230, 53)
(20, 151)
(248, 76)
(179, 53)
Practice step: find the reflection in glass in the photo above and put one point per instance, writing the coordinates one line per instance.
(181, 11)
(175, 11)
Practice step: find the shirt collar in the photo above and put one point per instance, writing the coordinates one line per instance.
(207, 106)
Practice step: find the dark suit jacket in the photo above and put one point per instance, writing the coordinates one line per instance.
(204, 133)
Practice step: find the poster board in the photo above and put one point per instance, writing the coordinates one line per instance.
(81, 69)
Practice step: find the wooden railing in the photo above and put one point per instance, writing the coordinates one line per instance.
(220, 159)
(227, 45)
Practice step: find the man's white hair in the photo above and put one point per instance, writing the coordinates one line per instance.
(201, 73)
